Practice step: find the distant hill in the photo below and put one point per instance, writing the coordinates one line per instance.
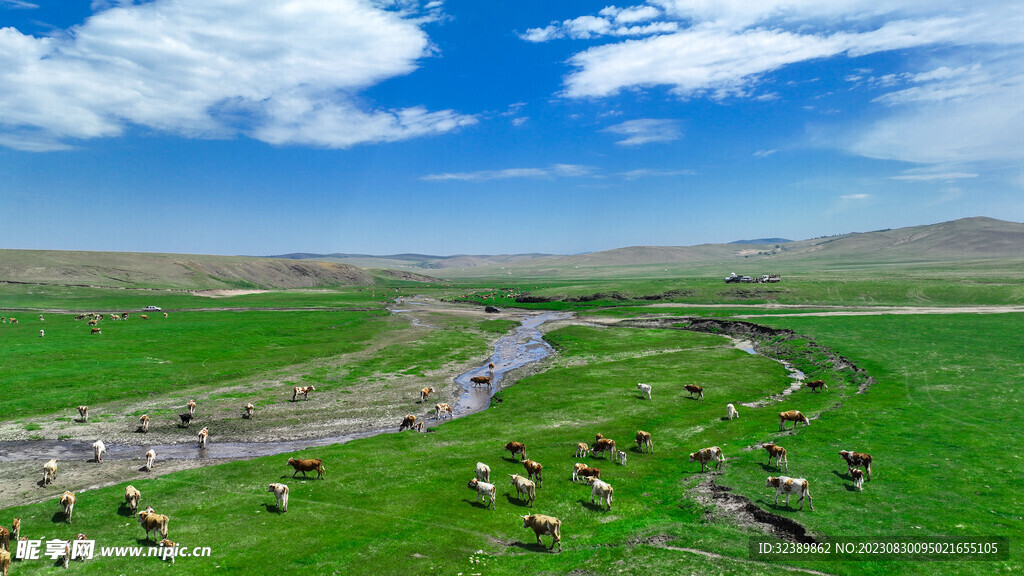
(762, 241)
(420, 262)
(187, 272)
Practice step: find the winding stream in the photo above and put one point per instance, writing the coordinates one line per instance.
(523, 346)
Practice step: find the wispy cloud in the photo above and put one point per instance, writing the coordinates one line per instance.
(931, 176)
(283, 73)
(646, 131)
(765, 153)
(18, 4)
(552, 171)
(855, 196)
(649, 173)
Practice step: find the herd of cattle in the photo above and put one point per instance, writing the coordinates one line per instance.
(526, 487)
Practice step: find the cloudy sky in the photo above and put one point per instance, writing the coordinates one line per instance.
(459, 126)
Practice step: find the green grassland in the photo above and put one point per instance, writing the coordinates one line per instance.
(398, 503)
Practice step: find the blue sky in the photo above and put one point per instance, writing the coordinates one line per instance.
(458, 126)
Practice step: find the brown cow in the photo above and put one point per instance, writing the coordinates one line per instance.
(481, 380)
(83, 413)
(67, 503)
(694, 389)
(16, 529)
(534, 469)
(191, 407)
(705, 455)
(643, 441)
(777, 452)
(144, 423)
(143, 316)
(425, 393)
(131, 497)
(303, 391)
(408, 422)
(96, 331)
(794, 416)
(249, 410)
(516, 448)
(857, 459)
(308, 465)
(816, 385)
(582, 449)
(204, 434)
(604, 445)
(584, 471)
(153, 522)
(5, 538)
(5, 562)
(858, 478)
(543, 526)
(441, 409)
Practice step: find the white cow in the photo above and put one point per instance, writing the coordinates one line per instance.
(150, 459)
(730, 412)
(484, 490)
(483, 472)
(645, 389)
(601, 490)
(281, 493)
(98, 450)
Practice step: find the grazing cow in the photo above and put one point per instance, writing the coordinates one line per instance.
(49, 471)
(98, 450)
(249, 410)
(14, 320)
(483, 472)
(643, 441)
(516, 448)
(40, 317)
(645, 389)
(858, 478)
(83, 413)
(169, 551)
(191, 407)
(816, 385)
(545, 526)
(153, 522)
(419, 426)
(131, 497)
(524, 486)
(730, 412)
(777, 452)
(144, 317)
(425, 393)
(186, 419)
(96, 331)
(308, 465)
(620, 457)
(5, 562)
(150, 459)
(42, 333)
(408, 422)
(203, 435)
(125, 316)
(694, 389)
(604, 445)
(144, 423)
(302, 390)
(165, 314)
(16, 529)
(582, 449)
(602, 491)
(281, 493)
(705, 455)
(67, 503)
(794, 416)
(786, 485)
(484, 490)
(857, 459)
(442, 409)
(5, 538)
(534, 469)
(481, 380)
(93, 322)
(584, 471)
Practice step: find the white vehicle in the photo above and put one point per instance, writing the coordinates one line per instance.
(151, 309)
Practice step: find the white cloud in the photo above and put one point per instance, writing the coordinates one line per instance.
(765, 153)
(649, 173)
(283, 72)
(646, 131)
(18, 4)
(929, 175)
(552, 171)
(855, 196)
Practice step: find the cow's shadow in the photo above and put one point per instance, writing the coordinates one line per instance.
(849, 487)
(516, 501)
(534, 547)
(146, 541)
(642, 396)
(477, 503)
(771, 467)
(59, 518)
(272, 508)
(593, 506)
(125, 511)
(512, 459)
(144, 469)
